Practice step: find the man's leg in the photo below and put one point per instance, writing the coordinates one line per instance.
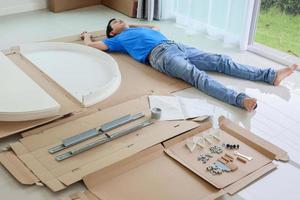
(174, 63)
(224, 64)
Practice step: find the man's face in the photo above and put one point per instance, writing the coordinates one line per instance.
(118, 26)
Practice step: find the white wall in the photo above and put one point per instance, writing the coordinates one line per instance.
(16, 6)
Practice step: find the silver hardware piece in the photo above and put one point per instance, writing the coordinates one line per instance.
(155, 113)
(204, 158)
(216, 149)
(242, 155)
(106, 139)
(218, 168)
(94, 132)
(214, 170)
(222, 166)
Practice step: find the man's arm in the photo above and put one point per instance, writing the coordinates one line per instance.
(144, 25)
(87, 38)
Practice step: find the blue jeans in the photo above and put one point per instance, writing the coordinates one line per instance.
(189, 64)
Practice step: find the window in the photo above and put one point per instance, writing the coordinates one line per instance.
(275, 31)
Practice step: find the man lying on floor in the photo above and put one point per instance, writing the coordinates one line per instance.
(147, 45)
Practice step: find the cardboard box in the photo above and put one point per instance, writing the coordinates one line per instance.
(133, 73)
(169, 172)
(127, 7)
(63, 5)
(32, 151)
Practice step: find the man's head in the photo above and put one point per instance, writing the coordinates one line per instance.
(114, 27)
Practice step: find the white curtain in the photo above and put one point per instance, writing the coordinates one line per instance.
(227, 20)
(149, 9)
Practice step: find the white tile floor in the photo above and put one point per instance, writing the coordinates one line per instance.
(276, 119)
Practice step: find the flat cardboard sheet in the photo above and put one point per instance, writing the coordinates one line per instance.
(86, 195)
(137, 80)
(252, 145)
(149, 175)
(181, 153)
(33, 150)
(152, 174)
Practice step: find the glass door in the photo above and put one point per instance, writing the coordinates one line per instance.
(275, 31)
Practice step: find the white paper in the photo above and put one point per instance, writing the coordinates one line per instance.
(193, 107)
(179, 108)
(169, 105)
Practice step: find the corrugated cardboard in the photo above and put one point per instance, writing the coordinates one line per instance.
(183, 155)
(33, 150)
(149, 175)
(262, 151)
(86, 195)
(127, 7)
(14, 166)
(170, 173)
(63, 5)
(133, 74)
(30, 163)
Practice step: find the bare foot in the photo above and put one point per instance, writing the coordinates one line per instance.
(250, 104)
(283, 73)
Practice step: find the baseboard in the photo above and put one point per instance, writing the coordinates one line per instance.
(23, 7)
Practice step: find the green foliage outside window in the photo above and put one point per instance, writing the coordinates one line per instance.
(287, 6)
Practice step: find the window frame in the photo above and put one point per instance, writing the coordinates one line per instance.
(263, 50)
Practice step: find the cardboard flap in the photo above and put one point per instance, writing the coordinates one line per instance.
(240, 184)
(40, 170)
(33, 150)
(16, 167)
(86, 195)
(176, 149)
(149, 175)
(202, 127)
(256, 142)
(10, 128)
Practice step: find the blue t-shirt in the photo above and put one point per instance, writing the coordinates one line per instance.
(137, 42)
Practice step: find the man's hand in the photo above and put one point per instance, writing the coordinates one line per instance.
(87, 38)
(84, 35)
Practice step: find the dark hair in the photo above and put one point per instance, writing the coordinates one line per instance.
(109, 28)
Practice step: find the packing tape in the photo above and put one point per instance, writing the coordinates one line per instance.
(155, 113)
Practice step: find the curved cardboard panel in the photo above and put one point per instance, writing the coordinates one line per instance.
(87, 74)
(21, 99)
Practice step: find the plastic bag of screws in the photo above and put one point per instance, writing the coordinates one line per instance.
(214, 170)
(204, 158)
(216, 149)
